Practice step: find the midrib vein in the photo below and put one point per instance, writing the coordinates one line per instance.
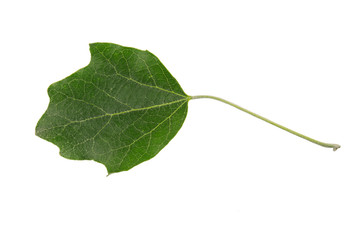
(116, 114)
(146, 108)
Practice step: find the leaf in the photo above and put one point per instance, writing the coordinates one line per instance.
(120, 110)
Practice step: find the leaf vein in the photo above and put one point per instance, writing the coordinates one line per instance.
(129, 145)
(133, 80)
(113, 114)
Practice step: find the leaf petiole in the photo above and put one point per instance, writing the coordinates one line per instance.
(327, 145)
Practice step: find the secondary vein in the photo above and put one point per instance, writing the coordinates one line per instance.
(133, 80)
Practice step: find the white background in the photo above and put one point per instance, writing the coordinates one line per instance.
(226, 175)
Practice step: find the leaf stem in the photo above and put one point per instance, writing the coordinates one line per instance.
(327, 145)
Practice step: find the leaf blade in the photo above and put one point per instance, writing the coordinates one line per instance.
(120, 110)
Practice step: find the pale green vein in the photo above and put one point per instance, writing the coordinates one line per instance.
(106, 93)
(136, 140)
(114, 114)
(133, 80)
(161, 67)
(93, 137)
(148, 69)
(81, 100)
(129, 145)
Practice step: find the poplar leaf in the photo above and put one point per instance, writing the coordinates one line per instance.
(120, 110)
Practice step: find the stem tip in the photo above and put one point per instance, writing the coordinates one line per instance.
(336, 147)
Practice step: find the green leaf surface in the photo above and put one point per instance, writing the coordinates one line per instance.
(120, 110)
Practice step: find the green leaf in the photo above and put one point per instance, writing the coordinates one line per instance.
(120, 110)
